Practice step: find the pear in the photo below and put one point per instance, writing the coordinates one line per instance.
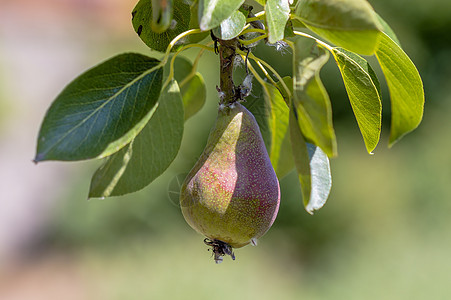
(232, 194)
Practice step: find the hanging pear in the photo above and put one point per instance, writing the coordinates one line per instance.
(232, 194)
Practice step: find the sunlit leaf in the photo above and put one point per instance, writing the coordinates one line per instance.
(285, 163)
(321, 178)
(286, 94)
(278, 120)
(405, 86)
(148, 155)
(271, 114)
(313, 169)
(213, 12)
(310, 98)
(230, 27)
(364, 94)
(351, 24)
(387, 30)
(102, 110)
(142, 19)
(277, 14)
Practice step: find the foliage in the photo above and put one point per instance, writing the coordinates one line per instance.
(127, 111)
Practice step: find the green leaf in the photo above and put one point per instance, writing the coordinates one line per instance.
(289, 83)
(142, 19)
(351, 24)
(192, 86)
(405, 86)
(285, 163)
(277, 14)
(182, 68)
(148, 155)
(313, 169)
(278, 121)
(213, 12)
(194, 94)
(230, 27)
(321, 180)
(272, 117)
(194, 24)
(297, 23)
(364, 94)
(300, 156)
(387, 30)
(289, 31)
(310, 97)
(261, 108)
(102, 110)
(162, 11)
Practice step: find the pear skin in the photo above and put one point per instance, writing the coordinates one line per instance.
(232, 194)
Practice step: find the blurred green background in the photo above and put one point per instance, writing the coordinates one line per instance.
(385, 232)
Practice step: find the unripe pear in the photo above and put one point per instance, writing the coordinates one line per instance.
(232, 194)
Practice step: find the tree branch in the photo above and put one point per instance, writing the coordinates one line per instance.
(227, 52)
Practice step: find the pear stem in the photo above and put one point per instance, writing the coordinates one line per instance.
(227, 52)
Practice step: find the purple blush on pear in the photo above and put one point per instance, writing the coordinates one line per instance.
(232, 193)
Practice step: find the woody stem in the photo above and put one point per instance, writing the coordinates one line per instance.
(227, 52)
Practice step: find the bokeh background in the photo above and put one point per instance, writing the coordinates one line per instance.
(385, 232)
